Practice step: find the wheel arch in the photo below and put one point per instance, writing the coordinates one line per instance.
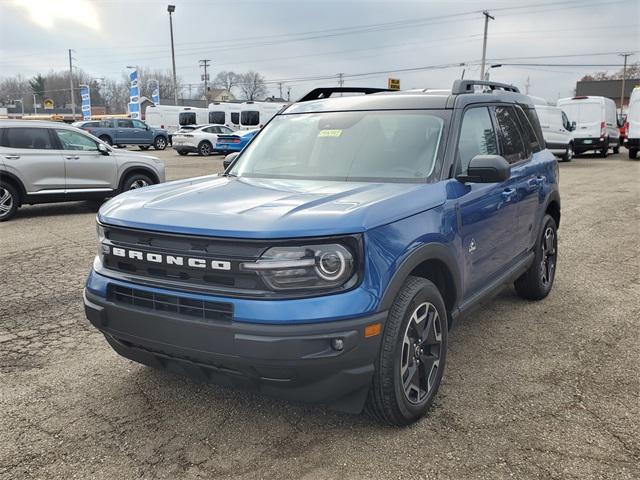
(16, 183)
(136, 169)
(553, 207)
(434, 262)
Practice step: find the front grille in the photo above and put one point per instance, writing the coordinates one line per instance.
(189, 307)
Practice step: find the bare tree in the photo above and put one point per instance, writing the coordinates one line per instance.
(252, 85)
(116, 95)
(633, 71)
(226, 80)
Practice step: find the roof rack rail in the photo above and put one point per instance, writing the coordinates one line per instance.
(326, 92)
(466, 86)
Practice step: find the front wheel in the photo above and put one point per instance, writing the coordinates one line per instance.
(412, 355)
(106, 139)
(160, 143)
(536, 282)
(205, 149)
(568, 154)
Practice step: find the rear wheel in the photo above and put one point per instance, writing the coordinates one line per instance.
(135, 181)
(633, 153)
(160, 143)
(412, 355)
(9, 200)
(106, 139)
(205, 148)
(568, 154)
(536, 282)
(604, 151)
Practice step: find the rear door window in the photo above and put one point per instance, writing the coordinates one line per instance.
(27, 138)
(187, 118)
(511, 140)
(250, 117)
(217, 117)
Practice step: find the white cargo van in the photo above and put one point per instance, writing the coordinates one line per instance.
(556, 130)
(596, 123)
(633, 124)
(257, 114)
(172, 117)
(225, 113)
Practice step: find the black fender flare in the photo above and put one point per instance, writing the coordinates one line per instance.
(428, 251)
(554, 196)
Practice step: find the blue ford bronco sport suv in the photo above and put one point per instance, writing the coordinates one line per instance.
(330, 260)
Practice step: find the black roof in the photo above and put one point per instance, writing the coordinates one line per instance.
(461, 94)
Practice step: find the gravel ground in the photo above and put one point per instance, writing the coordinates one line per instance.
(532, 390)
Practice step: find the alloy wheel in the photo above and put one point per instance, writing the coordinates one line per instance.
(548, 262)
(6, 202)
(420, 354)
(138, 184)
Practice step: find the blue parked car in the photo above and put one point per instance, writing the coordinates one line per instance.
(234, 142)
(331, 259)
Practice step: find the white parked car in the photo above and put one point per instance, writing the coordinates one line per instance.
(199, 139)
(596, 123)
(556, 130)
(633, 124)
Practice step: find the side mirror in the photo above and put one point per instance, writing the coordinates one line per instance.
(486, 169)
(228, 160)
(103, 149)
(573, 126)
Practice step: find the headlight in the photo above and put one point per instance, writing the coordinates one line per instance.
(100, 232)
(305, 267)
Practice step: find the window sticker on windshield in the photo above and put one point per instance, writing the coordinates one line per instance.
(330, 133)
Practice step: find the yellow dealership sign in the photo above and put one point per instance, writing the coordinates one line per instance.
(48, 104)
(394, 84)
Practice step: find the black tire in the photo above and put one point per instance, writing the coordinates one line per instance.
(604, 151)
(106, 139)
(95, 203)
(160, 142)
(537, 281)
(633, 153)
(137, 180)
(388, 400)
(9, 201)
(205, 149)
(183, 152)
(616, 149)
(568, 154)
(144, 147)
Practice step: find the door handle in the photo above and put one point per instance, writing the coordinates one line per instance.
(507, 193)
(12, 157)
(72, 157)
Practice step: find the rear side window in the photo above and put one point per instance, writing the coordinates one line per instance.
(513, 146)
(235, 118)
(30, 138)
(216, 117)
(528, 130)
(477, 137)
(187, 118)
(250, 117)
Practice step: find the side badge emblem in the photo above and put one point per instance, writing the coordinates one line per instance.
(472, 246)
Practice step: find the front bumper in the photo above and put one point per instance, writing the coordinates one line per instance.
(294, 362)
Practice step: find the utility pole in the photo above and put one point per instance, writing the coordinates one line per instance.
(484, 42)
(288, 94)
(527, 86)
(340, 79)
(624, 78)
(205, 64)
(73, 102)
(171, 9)
(280, 88)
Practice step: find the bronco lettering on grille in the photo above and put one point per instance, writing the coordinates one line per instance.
(168, 259)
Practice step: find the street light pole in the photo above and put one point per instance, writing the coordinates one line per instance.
(484, 42)
(171, 9)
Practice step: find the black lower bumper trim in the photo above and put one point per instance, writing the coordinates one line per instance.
(293, 362)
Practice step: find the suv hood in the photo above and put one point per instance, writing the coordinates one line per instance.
(268, 208)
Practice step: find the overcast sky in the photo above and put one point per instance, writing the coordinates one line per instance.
(296, 41)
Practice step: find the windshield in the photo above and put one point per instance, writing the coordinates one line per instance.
(346, 146)
(583, 112)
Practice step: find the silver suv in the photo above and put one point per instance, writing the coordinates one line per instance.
(43, 162)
